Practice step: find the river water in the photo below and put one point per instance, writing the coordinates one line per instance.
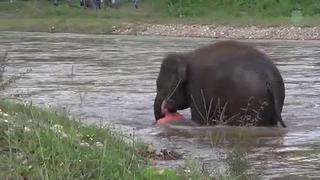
(111, 79)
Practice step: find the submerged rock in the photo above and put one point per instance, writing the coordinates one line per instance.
(163, 154)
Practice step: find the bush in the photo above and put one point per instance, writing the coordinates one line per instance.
(192, 8)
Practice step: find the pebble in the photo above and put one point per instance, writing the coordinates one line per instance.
(221, 31)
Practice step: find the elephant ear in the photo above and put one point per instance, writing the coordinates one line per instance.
(177, 64)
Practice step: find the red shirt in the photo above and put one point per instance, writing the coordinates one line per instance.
(169, 118)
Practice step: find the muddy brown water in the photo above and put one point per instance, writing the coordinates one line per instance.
(111, 79)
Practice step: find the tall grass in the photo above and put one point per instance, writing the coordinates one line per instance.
(195, 8)
(165, 8)
(43, 144)
(39, 15)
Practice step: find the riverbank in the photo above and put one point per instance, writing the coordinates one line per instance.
(222, 31)
(281, 32)
(155, 19)
(44, 144)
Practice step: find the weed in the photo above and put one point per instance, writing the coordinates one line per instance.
(247, 116)
(43, 16)
(193, 8)
(43, 144)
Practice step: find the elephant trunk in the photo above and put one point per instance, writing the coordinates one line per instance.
(157, 107)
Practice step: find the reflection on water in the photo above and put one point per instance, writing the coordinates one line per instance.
(111, 79)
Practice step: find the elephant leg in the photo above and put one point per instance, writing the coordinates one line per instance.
(268, 115)
(277, 94)
(259, 112)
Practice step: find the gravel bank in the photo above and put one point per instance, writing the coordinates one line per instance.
(221, 31)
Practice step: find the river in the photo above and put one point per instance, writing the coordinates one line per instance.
(111, 79)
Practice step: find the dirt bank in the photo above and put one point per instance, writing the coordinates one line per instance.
(221, 31)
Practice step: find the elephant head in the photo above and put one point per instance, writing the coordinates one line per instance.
(171, 83)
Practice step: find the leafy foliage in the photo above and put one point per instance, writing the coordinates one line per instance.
(192, 8)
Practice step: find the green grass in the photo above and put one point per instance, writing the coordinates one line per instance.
(43, 144)
(256, 8)
(39, 15)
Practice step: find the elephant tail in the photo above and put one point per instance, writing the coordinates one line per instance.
(276, 103)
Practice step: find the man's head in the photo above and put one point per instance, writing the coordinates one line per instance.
(168, 106)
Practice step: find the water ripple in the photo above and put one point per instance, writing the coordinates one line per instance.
(112, 79)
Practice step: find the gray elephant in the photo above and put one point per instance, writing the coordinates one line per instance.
(227, 82)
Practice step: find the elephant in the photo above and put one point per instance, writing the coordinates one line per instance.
(228, 82)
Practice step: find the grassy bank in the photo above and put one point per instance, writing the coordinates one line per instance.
(39, 15)
(43, 144)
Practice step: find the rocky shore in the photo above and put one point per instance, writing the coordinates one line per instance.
(221, 31)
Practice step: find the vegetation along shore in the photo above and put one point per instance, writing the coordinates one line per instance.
(285, 20)
(44, 144)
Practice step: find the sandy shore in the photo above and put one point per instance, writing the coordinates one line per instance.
(221, 31)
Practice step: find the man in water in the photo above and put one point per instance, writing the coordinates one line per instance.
(169, 110)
